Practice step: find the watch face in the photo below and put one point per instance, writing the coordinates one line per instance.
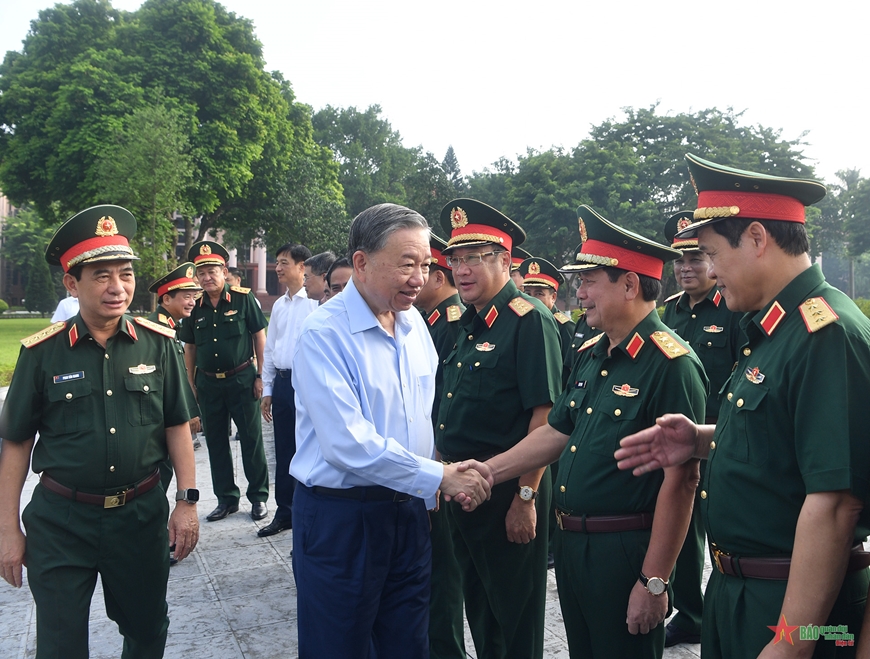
(192, 495)
(656, 586)
(526, 493)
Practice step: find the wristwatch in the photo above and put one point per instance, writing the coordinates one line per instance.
(258, 376)
(655, 585)
(526, 493)
(191, 495)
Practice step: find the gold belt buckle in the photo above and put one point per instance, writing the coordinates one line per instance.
(115, 500)
(559, 516)
(716, 554)
(221, 376)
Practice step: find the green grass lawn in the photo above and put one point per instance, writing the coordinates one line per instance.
(12, 330)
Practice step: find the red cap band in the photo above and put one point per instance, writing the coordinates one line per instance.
(69, 258)
(626, 258)
(439, 259)
(541, 278)
(480, 233)
(172, 285)
(755, 205)
(209, 259)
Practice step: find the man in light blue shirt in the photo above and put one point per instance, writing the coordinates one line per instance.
(364, 371)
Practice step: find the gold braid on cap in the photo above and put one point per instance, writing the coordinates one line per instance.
(689, 243)
(711, 212)
(466, 237)
(105, 249)
(598, 260)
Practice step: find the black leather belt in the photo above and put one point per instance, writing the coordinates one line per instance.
(283, 372)
(226, 374)
(115, 500)
(370, 493)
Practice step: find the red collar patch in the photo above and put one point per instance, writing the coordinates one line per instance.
(634, 345)
(772, 318)
(717, 298)
(73, 335)
(491, 315)
(433, 318)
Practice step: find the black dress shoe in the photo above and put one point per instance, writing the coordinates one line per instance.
(275, 526)
(222, 510)
(674, 636)
(259, 510)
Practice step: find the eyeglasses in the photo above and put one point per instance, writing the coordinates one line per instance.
(470, 260)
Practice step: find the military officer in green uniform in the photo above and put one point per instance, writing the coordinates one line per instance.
(582, 331)
(788, 460)
(176, 294)
(109, 399)
(439, 302)
(224, 340)
(619, 537)
(518, 255)
(499, 383)
(697, 313)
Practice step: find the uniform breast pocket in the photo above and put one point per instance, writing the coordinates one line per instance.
(621, 414)
(144, 398)
(74, 400)
(231, 326)
(481, 369)
(749, 438)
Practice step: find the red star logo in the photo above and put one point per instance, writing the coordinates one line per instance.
(783, 630)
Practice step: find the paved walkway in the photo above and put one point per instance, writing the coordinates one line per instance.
(233, 598)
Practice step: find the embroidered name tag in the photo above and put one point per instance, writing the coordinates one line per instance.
(66, 377)
(142, 369)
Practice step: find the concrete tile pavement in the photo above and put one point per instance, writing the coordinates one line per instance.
(233, 598)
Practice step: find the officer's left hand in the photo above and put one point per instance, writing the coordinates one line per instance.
(645, 610)
(183, 529)
(520, 521)
(258, 388)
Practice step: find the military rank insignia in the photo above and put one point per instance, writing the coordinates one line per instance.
(817, 314)
(669, 346)
(520, 306)
(454, 313)
(754, 375)
(625, 390)
(561, 317)
(43, 334)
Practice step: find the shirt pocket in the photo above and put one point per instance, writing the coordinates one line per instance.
(620, 414)
(144, 398)
(748, 438)
(73, 403)
(481, 373)
(232, 326)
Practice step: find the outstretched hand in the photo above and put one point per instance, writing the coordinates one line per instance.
(671, 441)
(464, 483)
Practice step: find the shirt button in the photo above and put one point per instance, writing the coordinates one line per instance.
(419, 491)
(712, 446)
(69, 396)
(112, 468)
(709, 343)
(215, 325)
(458, 364)
(703, 494)
(739, 402)
(215, 340)
(573, 449)
(617, 412)
(604, 373)
(588, 410)
(477, 363)
(441, 427)
(694, 316)
(215, 354)
(410, 420)
(730, 395)
(449, 394)
(470, 336)
(571, 403)
(108, 392)
(111, 431)
(106, 356)
(561, 488)
(747, 351)
(145, 388)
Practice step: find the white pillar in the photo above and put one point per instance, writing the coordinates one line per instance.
(234, 260)
(261, 271)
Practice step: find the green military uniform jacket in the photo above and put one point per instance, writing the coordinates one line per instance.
(793, 419)
(582, 333)
(506, 362)
(160, 315)
(223, 335)
(101, 414)
(443, 325)
(713, 332)
(566, 336)
(650, 373)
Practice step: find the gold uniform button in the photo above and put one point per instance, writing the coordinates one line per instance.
(112, 468)
(146, 388)
(573, 449)
(730, 395)
(69, 396)
(571, 403)
(441, 427)
(215, 354)
(703, 494)
(215, 340)
(477, 363)
(747, 351)
(106, 356)
(617, 412)
(709, 343)
(108, 392)
(604, 373)
(112, 431)
(215, 325)
(694, 316)
(712, 446)
(449, 394)
(588, 410)
(739, 402)
(470, 337)
(561, 488)
(458, 364)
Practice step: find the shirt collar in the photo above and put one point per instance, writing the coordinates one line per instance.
(361, 317)
(636, 340)
(770, 317)
(507, 293)
(76, 329)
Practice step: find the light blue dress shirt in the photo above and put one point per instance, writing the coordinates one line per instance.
(364, 400)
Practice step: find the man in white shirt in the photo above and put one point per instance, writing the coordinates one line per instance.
(278, 403)
(365, 447)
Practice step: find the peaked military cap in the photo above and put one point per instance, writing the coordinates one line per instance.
(472, 223)
(540, 272)
(436, 247)
(180, 278)
(98, 233)
(725, 192)
(607, 245)
(207, 252)
(518, 255)
(678, 222)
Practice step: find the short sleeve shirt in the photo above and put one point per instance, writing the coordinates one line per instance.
(443, 324)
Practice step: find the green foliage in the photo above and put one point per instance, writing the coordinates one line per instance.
(4, 306)
(12, 330)
(39, 294)
(864, 305)
(450, 165)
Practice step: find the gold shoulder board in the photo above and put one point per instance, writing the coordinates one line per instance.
(520, 306)
(673, 297)
(562, 318)
(155, 327)
(591, 342)
(43, 334)
(669, 345)
(817, 314)
(240, 289)
(454, 313)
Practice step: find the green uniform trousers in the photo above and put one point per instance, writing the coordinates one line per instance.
(69, 543)
(446, 624)
(220, 400)
(738, 611)
(595, 573)
(689, 570)
(505, 583)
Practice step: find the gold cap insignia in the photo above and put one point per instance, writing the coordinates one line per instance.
(204, 249)
(458, 218)
(106, 227)
(583, 234)
(189, 272)
(683, 223)
(534, 268)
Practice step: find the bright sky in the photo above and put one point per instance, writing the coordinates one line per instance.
(493, 78)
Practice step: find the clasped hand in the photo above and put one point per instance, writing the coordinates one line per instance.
(468, 483)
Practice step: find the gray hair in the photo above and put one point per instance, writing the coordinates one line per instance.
(319, 263)
(371, 229)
